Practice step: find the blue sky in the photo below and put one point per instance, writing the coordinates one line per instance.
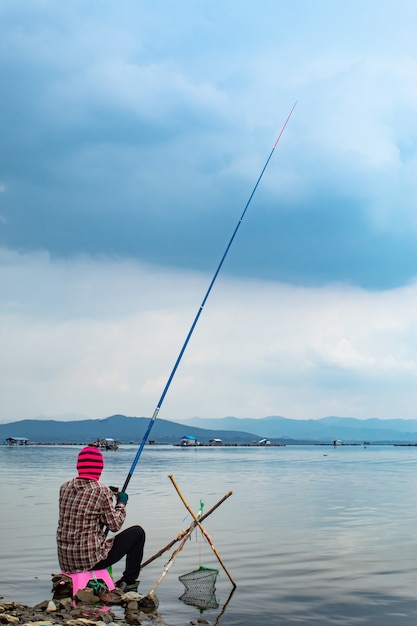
(131, 137)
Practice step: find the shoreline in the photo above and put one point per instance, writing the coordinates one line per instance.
(85, 609)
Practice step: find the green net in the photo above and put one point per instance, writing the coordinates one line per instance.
(200, 588)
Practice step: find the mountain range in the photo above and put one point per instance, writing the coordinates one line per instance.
(348, 429)
(229, 429)
(120, 427)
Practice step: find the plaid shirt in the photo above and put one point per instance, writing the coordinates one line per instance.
(86, 508)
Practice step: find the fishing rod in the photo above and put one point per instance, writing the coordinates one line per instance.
(200, 310)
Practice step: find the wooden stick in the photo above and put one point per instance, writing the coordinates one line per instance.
(184, 532)
(206, 535)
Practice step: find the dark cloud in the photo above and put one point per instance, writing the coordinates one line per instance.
(125, 147)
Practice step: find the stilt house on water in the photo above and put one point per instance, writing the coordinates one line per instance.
(17, 441)
(188, 440)
(108, 444)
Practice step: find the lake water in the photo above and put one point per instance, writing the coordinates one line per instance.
(313, 535)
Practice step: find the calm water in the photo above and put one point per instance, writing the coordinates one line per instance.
(312, 534)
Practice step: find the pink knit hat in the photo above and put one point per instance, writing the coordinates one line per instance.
(90, 463)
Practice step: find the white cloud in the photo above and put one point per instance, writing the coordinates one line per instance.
(101, 337)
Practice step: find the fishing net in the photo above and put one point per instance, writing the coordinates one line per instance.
(200, 588)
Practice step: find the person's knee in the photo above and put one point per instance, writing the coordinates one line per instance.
(139, 533)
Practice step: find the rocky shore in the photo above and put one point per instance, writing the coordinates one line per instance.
(86, 609)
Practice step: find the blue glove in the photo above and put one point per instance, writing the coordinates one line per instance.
(122, 497)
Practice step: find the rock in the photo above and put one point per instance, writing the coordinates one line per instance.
(112, 597)
(5, 618)
(97, 614)
(87, 595)
(81, 621)
(130, 595)
(51, 608)
(66, 604)
(134, 618)
(41, 606)
(149, 602)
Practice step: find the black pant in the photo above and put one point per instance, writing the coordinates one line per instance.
(129, 542)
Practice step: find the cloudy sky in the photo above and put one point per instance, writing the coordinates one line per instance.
(132, 134)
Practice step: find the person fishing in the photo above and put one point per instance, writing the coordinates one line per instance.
(87, 508)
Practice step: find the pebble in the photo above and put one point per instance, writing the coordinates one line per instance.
(51, 607)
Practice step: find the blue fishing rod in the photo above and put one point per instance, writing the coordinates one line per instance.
(200, 310)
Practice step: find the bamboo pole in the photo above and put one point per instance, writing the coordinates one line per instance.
(206, 535)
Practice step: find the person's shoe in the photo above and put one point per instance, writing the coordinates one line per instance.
(125, 587)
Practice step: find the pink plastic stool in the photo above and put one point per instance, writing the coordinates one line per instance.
(80, 580)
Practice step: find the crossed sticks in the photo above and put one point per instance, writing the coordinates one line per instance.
(184, 535)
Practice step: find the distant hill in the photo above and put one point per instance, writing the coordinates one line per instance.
(124, 429)
(229, 429)
(347, 429)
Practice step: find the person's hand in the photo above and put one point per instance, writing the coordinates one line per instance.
(115, 490)
(122, 498)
